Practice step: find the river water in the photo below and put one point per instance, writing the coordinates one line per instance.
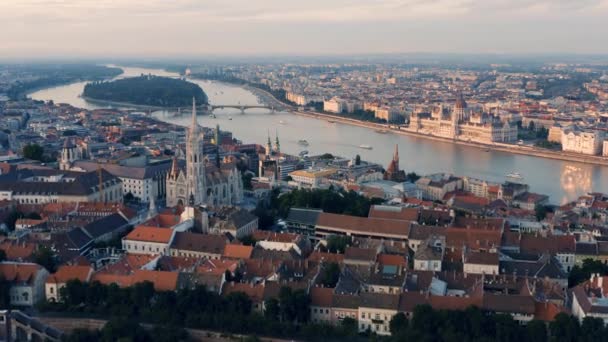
(561, 180)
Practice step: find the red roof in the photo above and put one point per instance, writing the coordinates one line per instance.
(238, 251)
(66, 273)
(19, 272)
(150, 234)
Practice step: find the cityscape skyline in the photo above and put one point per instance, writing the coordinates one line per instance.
(186, 28)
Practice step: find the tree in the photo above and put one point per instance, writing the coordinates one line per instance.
(358, 160)
(338, 243)
(45, 257)
(564, 328)
(581, 273)
(272, 309)
(5, 297)
(2, 255)
(412, 177)
(349, 326)
(540, 212)
(330, 274)
(33, 151)
(592, 329)
(536, 331)
(398, 323)
(531, 126)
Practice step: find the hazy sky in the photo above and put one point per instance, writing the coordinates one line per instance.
(172, 28)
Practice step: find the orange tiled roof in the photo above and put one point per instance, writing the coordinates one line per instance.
(150, 234)
(65, 273)
(163, 281)
(321, 296)
(238, 251)
(392, 259)
(17, 251)
(19, 272)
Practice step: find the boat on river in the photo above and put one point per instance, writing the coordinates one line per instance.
(366, 147)
(303, 142)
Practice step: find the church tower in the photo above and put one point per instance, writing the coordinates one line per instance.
(277, 144)
(195, 162)
(268, 146)
(69, 154)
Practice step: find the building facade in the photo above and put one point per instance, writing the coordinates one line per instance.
(200, 182)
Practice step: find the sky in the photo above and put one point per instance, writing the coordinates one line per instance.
(191, 28)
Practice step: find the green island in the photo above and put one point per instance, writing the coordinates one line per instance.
(147, 90)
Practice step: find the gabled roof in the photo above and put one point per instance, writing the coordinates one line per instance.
(68, 272)
(238, 251)
(204, 243)
(104, 225)
(150, 234)
(321, 296)
(364, 225)
(19, 272)
(303, 216)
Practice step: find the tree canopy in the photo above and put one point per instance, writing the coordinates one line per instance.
(147, 90)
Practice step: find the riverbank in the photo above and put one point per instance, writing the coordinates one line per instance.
(129, 105)
(499, 147)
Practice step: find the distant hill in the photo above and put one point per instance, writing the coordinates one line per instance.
(147, 91)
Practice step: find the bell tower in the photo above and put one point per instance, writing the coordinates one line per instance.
(195, 162)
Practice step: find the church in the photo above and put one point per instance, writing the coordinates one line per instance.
(202, 182)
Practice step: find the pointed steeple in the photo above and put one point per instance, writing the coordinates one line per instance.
(268, 145)
(396, 154)
(194, 125)
(277, 143)
(174, 168)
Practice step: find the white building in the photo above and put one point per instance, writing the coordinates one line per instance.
(26, 281)
(148, 240)
(584, 142)
(56, 281)
(386, 113)
(298, 99)
(589, 299)
(605, 149)
(334, 105)
(376, 311)
(311, 177)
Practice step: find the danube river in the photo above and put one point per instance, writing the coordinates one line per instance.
(561, 180)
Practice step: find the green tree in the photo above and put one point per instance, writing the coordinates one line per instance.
(592, 329)
(540, 212)
(330, 274)
(398, 324)
(45, 257)
(349, 327)
(531, 126)
(271, 309)
(358, 160)
(581, 273)
(33, 151)
(5, 297)
(536, 331)
(564, 328)
(338, 243)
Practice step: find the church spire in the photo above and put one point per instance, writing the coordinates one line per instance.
(396, 154)
(194, 126)
(268, 145)
(277, 143)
